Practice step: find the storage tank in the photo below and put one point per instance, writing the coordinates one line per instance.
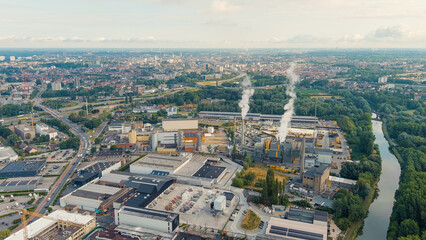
(220, 203)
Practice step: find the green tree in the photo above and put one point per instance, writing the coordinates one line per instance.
(12, 139)
(4, 233)
(408, 227)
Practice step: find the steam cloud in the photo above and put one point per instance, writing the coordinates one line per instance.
(247, 93)
(289, 107)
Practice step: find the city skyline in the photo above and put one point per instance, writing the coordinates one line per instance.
(213, 24)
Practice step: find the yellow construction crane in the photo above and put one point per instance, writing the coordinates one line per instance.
(25, 212)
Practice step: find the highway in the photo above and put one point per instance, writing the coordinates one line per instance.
(62, 180)
(84, 146)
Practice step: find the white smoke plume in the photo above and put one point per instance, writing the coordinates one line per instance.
(247, 93)
(289, 107)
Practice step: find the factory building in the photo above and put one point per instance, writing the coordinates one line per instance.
(256, 117)
(166, 141)
(316, 178)
(19, 184)
(147, 218)
(7, 154)
(84, 177)
(145, 188)
(25, 131)
(93, 197)
(299, 224)
(152, 163)
(61, 225)
(24, 168)
(120, 127)
(179, 124)
(211, 172)
(102, 167)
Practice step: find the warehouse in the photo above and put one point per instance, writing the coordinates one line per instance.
(22, 168)
(179, 124)
(256, 117)
(299, 224)
(103, 167)
(83, 178)
(147, 218)
(92, 197)
(145, 188)
(211, 172)
(160, 162)
(19, 184)
(7, 154)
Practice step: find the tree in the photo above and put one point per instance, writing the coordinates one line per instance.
(113, 147)
(12, 139)
(270, 176)
(126, 100)
(408, 227)
(4, 233)
(238, 182)
(93, 150)
(264, 194)
(44, 138)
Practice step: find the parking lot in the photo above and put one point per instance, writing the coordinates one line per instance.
(53, 169)
(14, 202)
(59, 155)
(193, 205)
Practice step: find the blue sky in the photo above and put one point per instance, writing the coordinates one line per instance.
(213, 23)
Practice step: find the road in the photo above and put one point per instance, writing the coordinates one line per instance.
(83, 150)
(84, 146)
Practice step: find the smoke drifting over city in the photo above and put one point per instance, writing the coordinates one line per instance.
(289, 107)
(247, 94)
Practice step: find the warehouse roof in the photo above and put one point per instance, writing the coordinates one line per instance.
(150, 213)
(163, 161)
(20, 181)
(23, 166)
(7, 152)
(285, 228)
(209, 171)
(71, 217)
(100, 166)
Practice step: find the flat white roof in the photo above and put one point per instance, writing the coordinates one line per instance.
(97, 188)
(41, 224)
(342, 180)
(71, 217)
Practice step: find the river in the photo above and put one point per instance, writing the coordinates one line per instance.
(377, 222)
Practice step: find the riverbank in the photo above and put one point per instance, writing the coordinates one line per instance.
(377, 222)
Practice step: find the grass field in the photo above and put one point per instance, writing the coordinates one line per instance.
(260, 173)
(251, 221)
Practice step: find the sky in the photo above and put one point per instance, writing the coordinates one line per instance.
(213, 24)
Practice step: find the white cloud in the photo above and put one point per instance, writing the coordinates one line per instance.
(13, 38)
(352, 38)
(221, 6)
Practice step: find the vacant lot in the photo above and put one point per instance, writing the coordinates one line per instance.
(260, 173)
(251, 221)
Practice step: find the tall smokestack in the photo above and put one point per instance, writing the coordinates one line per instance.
(289, 107)
(242, 134)
(302, 156)
(247, 93)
